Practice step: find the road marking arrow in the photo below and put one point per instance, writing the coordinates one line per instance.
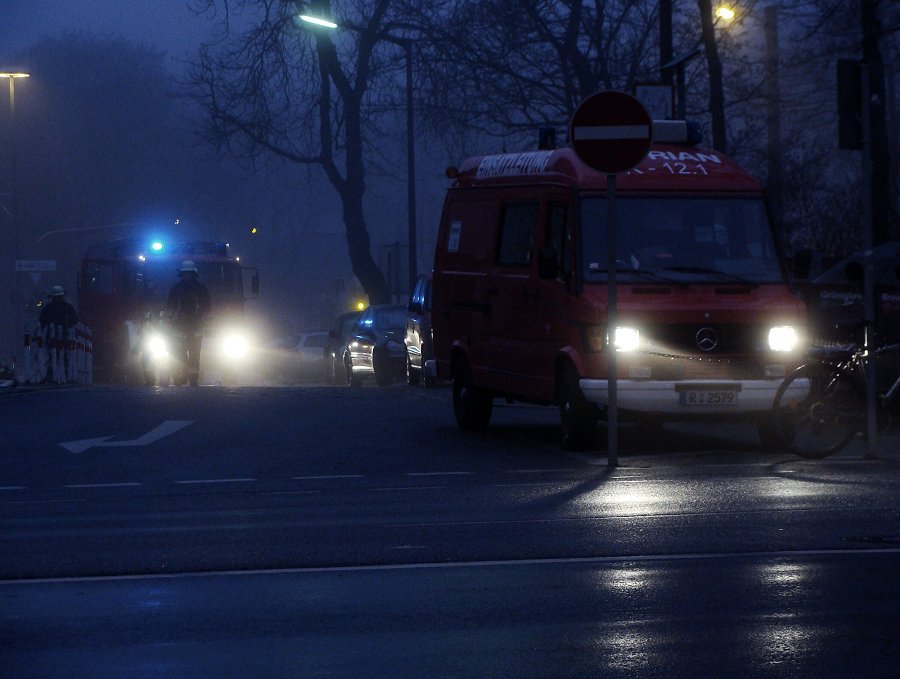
(155, 434)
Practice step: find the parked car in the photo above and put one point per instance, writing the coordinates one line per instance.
(420, 368)
(336, 345)
(296, 357)
(835, 298)
(375, 346)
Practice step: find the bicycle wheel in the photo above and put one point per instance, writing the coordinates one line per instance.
(817, 410)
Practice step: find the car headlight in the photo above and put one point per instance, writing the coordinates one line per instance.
(628, 339)
(234, 346)
(783, 338)
(157, 346)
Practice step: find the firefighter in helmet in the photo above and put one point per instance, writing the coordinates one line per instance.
(188, 306)
(58, 311)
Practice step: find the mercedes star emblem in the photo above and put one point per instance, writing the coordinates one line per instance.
(707, 338)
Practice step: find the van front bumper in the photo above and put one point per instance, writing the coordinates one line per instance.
(685, 397)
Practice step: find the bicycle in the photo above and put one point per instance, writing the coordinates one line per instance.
(821, 405)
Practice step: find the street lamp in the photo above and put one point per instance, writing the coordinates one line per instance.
(406, 44)
(12, 76)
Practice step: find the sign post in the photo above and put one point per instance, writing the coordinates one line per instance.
(611, 132)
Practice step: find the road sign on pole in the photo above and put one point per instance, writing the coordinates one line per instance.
(35, 265)
(611, 132)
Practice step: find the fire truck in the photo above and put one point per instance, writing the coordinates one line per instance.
(123, 288)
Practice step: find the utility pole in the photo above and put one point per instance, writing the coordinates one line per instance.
(665, 41)
(714, 64)
(774, 185)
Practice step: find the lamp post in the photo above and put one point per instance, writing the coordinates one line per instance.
(406, 44)
(12, 76)
(706, 43)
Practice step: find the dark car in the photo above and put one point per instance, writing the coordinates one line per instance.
(336, 345)
(420, 367)
(835, 298)
(375, 346)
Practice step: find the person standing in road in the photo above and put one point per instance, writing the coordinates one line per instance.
(58, 311)
(188, 306)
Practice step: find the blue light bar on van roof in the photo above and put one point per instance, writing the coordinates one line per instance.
(157, 246)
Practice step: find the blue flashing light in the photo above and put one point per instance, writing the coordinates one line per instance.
(156, 246)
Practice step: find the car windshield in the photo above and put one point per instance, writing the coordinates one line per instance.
(886, 258)
(384, 319)
(684, 240)
(347, 324)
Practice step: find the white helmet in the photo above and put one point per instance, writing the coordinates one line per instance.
(188, 265)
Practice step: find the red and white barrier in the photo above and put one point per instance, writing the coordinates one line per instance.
(54, 355)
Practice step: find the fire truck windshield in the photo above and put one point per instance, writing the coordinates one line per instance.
(154, 279)
(687, 240)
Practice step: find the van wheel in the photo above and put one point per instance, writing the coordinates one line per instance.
(577, 417)
(472, 405)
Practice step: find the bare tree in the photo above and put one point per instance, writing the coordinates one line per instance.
(506, 67)
(274, 85)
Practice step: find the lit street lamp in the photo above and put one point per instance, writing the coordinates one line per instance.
(12, 76)
(406, 44)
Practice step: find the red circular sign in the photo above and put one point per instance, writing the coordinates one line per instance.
(611, 132)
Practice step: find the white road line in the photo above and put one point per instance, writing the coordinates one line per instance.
(440, 473)
(196, 481)
(336, 476)
(539, 471)
(504, 563)
(12, 487)
(101, 485)
(392, 488)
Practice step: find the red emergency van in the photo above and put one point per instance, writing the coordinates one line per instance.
(706, 323)
(123, 281)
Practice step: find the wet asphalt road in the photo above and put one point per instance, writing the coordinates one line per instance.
(318, 531)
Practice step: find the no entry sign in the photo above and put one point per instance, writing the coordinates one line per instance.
(611, 132)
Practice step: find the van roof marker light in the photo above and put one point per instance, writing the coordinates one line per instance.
(677, 132)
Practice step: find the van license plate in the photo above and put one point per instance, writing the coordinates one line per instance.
(703, 397)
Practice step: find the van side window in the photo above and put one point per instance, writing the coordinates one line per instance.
(517, 234)
(99, 278)
(558, 235)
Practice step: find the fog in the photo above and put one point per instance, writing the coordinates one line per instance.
(105, 146)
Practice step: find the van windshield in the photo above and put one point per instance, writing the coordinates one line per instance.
(155, 279)
(684, 240)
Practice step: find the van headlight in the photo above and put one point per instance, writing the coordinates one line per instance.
(234, 346)
(783, 338)
(157, 346)
(628, 339)
(596, 338)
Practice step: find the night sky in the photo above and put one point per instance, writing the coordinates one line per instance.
(168, 25)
